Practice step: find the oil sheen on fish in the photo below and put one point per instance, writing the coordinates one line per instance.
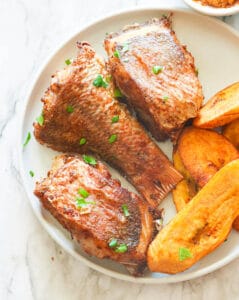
(107, 220)
(156, 74)
(81, 115)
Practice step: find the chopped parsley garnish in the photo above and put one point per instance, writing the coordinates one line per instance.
(40, 120)
(116, 53)
(108, 78)
(157, 69)
(165, 98)
(184, 253)
(80, 202)
(125, 210)
(118, 248)
(31, 173)
(82, 141)
(69, 109)
(117, 93)
(27, 139)
(113, 243)
(99, 82)
(68, 62)
(83, 193)
(125, 47)
(89, 160)
(112, 138)
(115, 119)
(122, 248)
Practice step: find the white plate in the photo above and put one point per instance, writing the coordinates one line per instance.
(215, 47)
(213, 11)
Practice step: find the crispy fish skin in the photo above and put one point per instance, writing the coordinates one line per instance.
(133, 153)
(163, 101)
(96, 224)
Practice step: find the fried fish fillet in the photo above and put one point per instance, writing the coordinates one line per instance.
(81, 115)
(106, 219)
(157, 75)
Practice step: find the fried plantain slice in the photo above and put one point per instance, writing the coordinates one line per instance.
(187, 188)
(204, 152)
(221, 109)
(200, 227)
(231, 132)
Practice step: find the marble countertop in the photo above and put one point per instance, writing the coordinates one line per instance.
(32, 265)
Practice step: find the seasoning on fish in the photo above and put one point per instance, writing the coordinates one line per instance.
(123, 144)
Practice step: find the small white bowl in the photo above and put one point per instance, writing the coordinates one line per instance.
(213, 11)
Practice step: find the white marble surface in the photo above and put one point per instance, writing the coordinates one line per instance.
(32, 266)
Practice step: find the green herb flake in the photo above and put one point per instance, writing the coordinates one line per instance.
(99, 82)
(82, 141)
(89, 160)
(116, 53)
(108, 78)
(196, 72)
(184, 253)
(125, 47)
(165, 98)
(157, 69)
(80, 202)
(27, 139)
(117, 93)
(40, 120)
(112, 138)
(83, 193)
(115, 119)
(113, 243)
(31, 173)
(69, 109)
(122, 248)
(125, 210)
(68, 62)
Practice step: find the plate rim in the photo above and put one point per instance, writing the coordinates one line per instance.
(22, 113)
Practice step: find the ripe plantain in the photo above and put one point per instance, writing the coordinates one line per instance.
(200, 227)
(221, 109)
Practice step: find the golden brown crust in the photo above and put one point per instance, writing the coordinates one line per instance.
(231, 132)
(134, 154)
(204, 152)
(220, 109)
(211, 151)
(186, 189)
(164, 101)
(201, 226)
